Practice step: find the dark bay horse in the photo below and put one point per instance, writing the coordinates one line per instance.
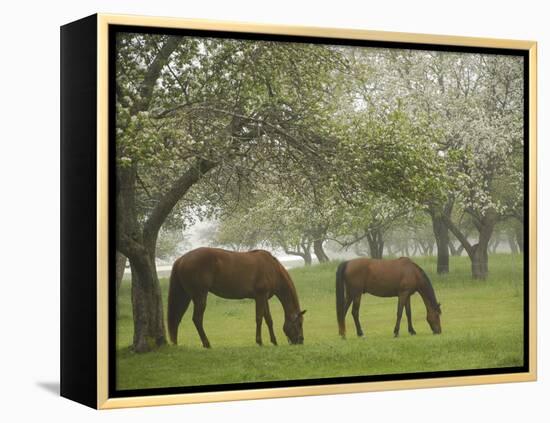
(233, 275)
(384, 278)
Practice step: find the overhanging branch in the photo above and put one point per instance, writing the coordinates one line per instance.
(169, 200)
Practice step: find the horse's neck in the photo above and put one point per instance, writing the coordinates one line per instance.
(425, 298)
(287, 297)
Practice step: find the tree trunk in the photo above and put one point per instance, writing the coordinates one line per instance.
(513, 244)
(149, 332)
(304, 253)
(307, 258)
(305, 246)
(441, 233)
(120, 267)
(480, 262)
(319, 251)
(478, 253)
(376, 243)
(147, 309)
(138, 242)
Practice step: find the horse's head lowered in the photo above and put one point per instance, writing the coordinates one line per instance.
(434, 319)
(293, 328)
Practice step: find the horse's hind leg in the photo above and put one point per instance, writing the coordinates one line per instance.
(269, 322)
(199, 305)
(346, 308)
(400, 304)
(355, 314)
(409, 316)
(260, 312)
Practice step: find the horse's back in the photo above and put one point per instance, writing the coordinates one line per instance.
(228, 274)
(381, 277)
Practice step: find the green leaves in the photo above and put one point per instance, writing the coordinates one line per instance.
(310, 135)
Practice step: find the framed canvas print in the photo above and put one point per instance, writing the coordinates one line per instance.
(254, 211)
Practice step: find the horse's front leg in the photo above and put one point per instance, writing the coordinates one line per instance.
(260, 312)
(409, 316)
(269, 322)
(400, 304)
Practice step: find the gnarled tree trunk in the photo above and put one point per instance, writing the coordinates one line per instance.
(307, 257)
(478, 253)
(149, 332)
(375, 238)
(441, 232)
(302, 250)
(137, 241)
(319, 251)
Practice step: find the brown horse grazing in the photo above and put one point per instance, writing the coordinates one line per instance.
(233, 275)
(384, 278)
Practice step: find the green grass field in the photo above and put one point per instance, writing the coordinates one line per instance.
(482, 325)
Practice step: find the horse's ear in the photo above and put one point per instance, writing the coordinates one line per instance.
(303, 312)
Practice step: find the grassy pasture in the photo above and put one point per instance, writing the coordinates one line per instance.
(482, 325)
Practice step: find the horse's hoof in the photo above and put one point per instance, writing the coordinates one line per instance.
(412, 332)
(396, 335)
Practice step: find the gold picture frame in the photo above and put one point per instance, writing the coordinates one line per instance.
(98, 27)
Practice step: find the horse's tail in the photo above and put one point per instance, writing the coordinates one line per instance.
(340, 297)
(178, 301)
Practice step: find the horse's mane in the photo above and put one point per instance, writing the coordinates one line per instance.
(430, 293)
(283, 273)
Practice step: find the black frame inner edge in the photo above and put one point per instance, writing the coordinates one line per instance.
(114, 393)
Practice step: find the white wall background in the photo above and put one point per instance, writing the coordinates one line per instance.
(29, 178)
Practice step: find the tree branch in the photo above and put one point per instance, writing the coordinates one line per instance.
(148, 84)
(459, 235)
(298, 144)
(294, 253)
(169, 200)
